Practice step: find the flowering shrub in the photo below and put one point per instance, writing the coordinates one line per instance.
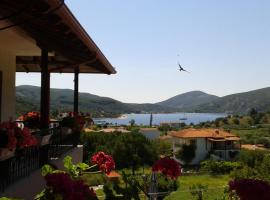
(104, 162)
(250, 189)
(68, 185)
(12, 137)
(62, 184)
(26, 139)
(167, 166)
(31, 120)
(8, 135)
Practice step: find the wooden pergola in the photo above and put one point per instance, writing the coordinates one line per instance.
(65, 45)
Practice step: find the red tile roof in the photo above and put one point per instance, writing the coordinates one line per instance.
(203, 133)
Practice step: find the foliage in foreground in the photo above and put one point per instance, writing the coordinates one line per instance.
(127, 149)
(219, 167)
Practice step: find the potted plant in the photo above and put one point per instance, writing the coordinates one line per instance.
(8, 140)
(72, 123)
(68, 184)
(31, 120)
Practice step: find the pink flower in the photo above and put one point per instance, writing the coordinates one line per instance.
(167, 166)
(104, 161)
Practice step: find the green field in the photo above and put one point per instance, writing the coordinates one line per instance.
(216, 185)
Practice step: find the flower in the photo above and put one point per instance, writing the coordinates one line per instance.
(69, 189)
(250, 189)
(26, 139)
(16, 137)
(104, 161)
(73, 120)
(167, 166)
(31, 119)
(8, 135)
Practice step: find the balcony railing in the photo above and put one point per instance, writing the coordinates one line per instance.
(54, 142)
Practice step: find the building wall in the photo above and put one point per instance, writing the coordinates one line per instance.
(8, 68)
(201, 148)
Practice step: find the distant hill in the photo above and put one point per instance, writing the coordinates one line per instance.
(28, 98)
(240, 103)
(188, 100)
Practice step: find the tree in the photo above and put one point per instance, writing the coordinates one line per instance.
(132, 122)
(187, 153)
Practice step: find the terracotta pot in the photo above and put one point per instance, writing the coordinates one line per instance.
(6, 153)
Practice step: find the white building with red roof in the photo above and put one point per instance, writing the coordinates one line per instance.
(216, 143)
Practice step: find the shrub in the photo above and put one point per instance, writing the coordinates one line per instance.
(219, 167)
(186, 153)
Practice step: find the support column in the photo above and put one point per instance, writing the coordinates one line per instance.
(45, 90)
(76, 90)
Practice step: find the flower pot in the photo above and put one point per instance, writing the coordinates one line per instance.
(6, 153)
(66, 131)
(43, 139)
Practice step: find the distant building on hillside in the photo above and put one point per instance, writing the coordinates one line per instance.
(218, 144)
(173, 125)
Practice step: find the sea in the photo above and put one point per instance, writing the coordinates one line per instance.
(144, 119)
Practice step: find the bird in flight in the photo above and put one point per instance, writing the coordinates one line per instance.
(181, 68)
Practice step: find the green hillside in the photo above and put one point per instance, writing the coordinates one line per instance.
(189, 99)
(240, 103)
(28, 98)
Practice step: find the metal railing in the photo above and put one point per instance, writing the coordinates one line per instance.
(24, 162)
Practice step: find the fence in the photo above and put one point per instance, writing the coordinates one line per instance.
(53, 143)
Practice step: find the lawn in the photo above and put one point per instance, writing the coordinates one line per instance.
(216, 185)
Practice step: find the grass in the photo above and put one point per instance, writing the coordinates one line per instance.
(216, 185)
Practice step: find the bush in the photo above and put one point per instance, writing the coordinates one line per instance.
(250, 158)
(186, 153)
(127, 149)
(94, 179)
(219, 167)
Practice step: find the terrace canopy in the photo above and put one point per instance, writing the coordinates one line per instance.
(44, 36)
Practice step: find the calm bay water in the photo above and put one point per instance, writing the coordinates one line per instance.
(144, 119)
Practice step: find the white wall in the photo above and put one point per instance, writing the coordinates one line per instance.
(201, 149)
(8, 68)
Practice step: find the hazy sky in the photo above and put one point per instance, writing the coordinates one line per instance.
(225, 44)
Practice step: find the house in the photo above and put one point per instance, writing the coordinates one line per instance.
(173, 125)
(218, 143)
(41, 36)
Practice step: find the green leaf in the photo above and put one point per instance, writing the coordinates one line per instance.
(46, 169)
(72, 169)
(82, 166)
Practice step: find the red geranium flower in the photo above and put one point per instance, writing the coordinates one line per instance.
(104, 161)
(167, 166)
(61, 183)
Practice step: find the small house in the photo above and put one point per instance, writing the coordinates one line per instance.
(218, 144)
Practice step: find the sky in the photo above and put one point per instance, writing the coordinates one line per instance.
(224, 44)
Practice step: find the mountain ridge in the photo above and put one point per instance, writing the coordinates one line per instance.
(28, 98)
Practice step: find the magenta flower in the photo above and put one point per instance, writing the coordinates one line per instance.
(69, 189)
(251, 189)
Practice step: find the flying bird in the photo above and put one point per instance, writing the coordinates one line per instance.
(181, 68)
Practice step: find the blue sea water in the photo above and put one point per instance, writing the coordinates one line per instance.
(144, 119)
